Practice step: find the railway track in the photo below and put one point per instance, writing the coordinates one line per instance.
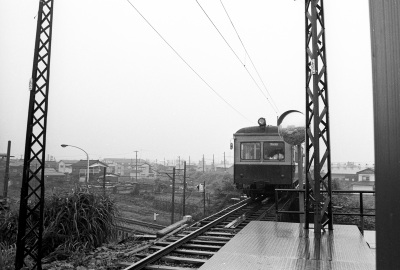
(140, 223)
(191, 247)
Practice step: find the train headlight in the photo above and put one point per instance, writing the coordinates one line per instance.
(261, 122)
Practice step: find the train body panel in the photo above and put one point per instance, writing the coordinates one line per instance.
(262, 161)
(269, 174)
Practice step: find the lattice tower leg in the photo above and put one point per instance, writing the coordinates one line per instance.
(30, 226)
(317, 120)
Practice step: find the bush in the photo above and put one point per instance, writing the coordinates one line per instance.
(78, 221)
(7, 256)
(72, 222)
(8, 227)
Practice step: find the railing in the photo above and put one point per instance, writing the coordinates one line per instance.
(361, 214)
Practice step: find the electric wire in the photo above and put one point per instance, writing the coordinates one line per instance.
(198, 75)
(243, 64)
(244, 47)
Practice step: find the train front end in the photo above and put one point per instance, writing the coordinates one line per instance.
(262, 160)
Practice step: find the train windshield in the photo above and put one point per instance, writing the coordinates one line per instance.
(250, 151)
(274, 151)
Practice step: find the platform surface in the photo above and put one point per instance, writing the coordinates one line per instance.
(370, 238)
(280, 245)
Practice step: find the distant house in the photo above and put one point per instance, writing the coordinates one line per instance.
(114, 167)
(125, 165)
(47, 164)
(346, 173)
(50, 174)
(79, 169)
(366, 175)
(143, 171)
(17, 166)
(366, 180)
(65, 166)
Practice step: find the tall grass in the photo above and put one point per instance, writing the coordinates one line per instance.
(7, 256)
(78, 221)
(8, 227)
(72, 222)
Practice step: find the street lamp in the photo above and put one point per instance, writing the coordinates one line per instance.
(87, 157)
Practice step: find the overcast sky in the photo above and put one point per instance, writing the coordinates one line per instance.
(117, 87)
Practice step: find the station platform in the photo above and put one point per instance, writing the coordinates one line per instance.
(281, 245)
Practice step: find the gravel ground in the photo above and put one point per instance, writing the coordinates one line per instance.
(106, 257)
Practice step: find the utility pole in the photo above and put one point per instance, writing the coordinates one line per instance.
(224, 163)
(30, 225)
(104, 181)
(301, 185)
(179, 165)
(7, 172)
(136, 165)
(203, 163)
(173, 196)
(184, 190)
(204, 198)
(317, 144)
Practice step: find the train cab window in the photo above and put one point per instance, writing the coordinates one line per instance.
(250, 151)
(274, 151)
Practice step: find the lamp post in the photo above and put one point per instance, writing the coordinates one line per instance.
(87, 157)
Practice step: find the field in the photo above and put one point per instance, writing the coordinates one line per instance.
(143, 204)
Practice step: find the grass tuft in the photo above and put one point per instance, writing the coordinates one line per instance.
(78, 221)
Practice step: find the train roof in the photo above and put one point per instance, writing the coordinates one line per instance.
(258, 130)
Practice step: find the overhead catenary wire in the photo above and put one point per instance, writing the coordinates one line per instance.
(274, 107)
(198, 75)
(244, 47)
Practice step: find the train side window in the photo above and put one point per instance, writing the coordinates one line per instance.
(274, 151)
(250, 151)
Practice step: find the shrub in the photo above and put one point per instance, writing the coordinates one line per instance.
(7, 256)
(8, 227)
(78, 221)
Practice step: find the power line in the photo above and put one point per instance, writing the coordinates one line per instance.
(243, 64)
(198, 75)
(216, 28)
(244, 47)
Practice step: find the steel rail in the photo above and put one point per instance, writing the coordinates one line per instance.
(168, 249)
(223, 210)
(140, 223)
(234, 223)
(266, 212)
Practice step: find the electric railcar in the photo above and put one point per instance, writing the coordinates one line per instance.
(262, 160)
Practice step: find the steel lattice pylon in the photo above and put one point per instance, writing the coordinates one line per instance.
(30, 226)
(317, 120)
